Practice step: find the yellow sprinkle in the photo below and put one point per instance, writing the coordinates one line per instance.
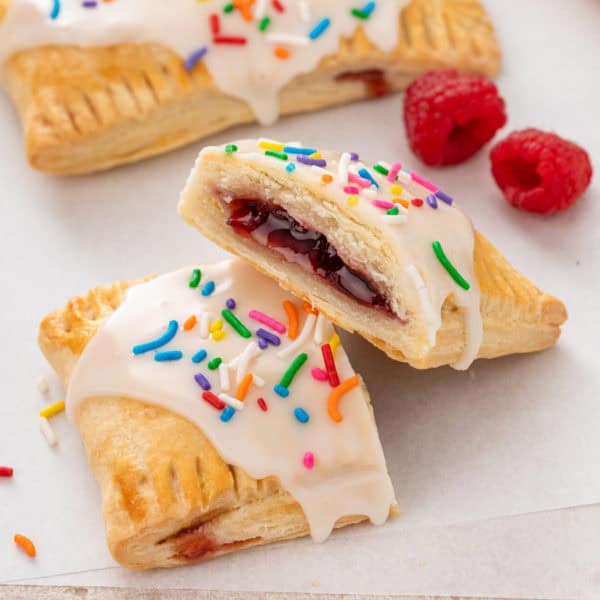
(396, 190)
(216, 325)
(334, 342)
(218, 335)
(316, 155)
(52, 409)
(276, 146)
(352, 200)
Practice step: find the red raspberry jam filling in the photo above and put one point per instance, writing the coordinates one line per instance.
(273, 227)
(374, 80)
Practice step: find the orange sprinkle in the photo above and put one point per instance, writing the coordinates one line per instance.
(244, 385)
(336, 396)
(245, 7)
(401, 201)
(309, 308)
(327, 178)
(282, 53)
(25, 544)
(190, 323)
(292, 316)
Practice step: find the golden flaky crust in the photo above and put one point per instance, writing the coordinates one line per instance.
(87, 109)
(517, 316)
(168, 497)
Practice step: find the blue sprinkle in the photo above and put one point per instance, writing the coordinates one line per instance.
(269, 337)
(444, 197)
(319, 28)
(281, 391)
(208, 289)
(354, 156)
(168, 355)
(55, 9)
(194, 57)
(202, 381)
(199, 356)
(230, 303)
(227, 413)
(263, 344)
(368, 8)
(366, 175)
(301, 415)
(165, 338)
(297, 150)
(431, 200)
(291, 167)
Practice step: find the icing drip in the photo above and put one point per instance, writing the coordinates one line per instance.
(254, 71)
(409, 213)
(347, 474)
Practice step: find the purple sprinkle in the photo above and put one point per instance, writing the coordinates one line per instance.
(431, 200)
(444, 197)
(89, 4)
(262, 344)
(230, 304)
(353, 156)
(194, 57)
(202, 381)
(316, 162)
(269, 337)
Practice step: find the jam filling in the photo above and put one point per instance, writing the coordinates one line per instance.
(273, 227)
(374, 80)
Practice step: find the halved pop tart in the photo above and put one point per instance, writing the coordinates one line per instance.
(375, 247)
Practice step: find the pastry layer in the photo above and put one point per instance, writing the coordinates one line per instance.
(169, 498)
(87, 109)
(515, 315)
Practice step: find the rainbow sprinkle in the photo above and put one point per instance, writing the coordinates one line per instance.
(236, 323)
(227, 414)
(452, 271)
(318, 30)
(158, 342)
(55, 9)
(301, 415)
(168, 355)
(208, 288)
(195, 278)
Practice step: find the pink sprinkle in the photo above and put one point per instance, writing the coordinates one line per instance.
(424, 182)
(266, 320)
(354, 178)
(394, 172)
(309, 460)
(383, 204)
(350, 189)
(319, 374)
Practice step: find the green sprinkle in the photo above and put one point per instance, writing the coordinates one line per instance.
(359, 14)
(393, 211)
(289, 375)
(228, 8)
(279, 155)
(214, 363)
(236, 323)
(381, 169)
(231, 148)
(196, 277)
(441, 256)
(264, 23)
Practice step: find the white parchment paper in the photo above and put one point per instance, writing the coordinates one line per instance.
(466, 451)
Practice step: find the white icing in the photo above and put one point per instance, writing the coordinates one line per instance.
(424, 282)
(252, 72)
(349, 476)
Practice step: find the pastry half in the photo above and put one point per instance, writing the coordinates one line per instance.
(377, 248)
(210, 418)
(98, 87)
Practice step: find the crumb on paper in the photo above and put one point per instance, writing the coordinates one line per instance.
(43, 385)
(471, 373)
(314, 583)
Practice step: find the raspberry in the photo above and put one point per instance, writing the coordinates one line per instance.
(539, 171)
(449, 115)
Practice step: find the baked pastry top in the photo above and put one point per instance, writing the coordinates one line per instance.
(209, 417)
(97, 87)
(377, 248)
